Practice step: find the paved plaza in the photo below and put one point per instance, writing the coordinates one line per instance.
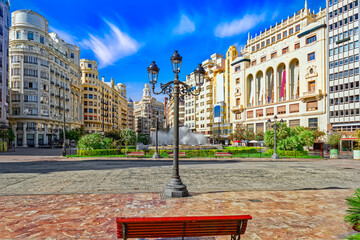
(45, 196)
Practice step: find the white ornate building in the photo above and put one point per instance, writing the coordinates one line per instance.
(282, 72)
(145, 112)
(44, 76)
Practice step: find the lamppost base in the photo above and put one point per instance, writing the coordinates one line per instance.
(156, 156)
(175, 189)
(275, 156)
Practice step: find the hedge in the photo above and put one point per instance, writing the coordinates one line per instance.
(287, 153)
(189, 153)
(98, 152)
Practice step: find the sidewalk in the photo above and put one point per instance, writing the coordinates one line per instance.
(276, 214)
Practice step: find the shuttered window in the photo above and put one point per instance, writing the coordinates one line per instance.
(250, 114)
(269, 111)
(260, 127)
(312, 106)
(294, 108)
(259, 113)
(281, 110)
(294, 123)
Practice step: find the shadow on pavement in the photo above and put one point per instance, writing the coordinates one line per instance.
(60, 166)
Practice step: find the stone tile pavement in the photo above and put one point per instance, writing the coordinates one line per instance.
(276, 214)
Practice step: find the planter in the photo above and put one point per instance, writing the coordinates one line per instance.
(334, 153)
(356, 227)
(356, 154)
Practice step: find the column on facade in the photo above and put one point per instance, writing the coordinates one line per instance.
(288, 88)
(45, 135)
(36, 143)
(14, 126)
(24, 136)
(276, 80)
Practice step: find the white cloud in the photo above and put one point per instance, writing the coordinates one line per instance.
(64, 35)
(185, 26)
(111, 47)
(238, 26)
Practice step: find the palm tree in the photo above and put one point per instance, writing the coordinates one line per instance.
(128, 137)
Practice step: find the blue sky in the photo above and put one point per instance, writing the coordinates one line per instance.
(125, 36)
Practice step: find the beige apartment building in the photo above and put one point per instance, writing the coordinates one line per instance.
(169, 113)
(199, 110)
(283, 72)
(130, 115)
(105, 104)
(44, 76)
(145, 111)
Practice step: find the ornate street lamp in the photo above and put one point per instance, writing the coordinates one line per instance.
(176, 89)
(275, 127)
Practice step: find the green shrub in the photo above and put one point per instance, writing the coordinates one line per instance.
(97, 152)
(94, 141)
(286, 153)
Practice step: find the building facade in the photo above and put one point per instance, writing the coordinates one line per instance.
(169, 113)
(343, 65)
(105, 104)
(130, 115)
(4, 63)
(44, 81)
(145, 112)
(199, 110)
(283, 72)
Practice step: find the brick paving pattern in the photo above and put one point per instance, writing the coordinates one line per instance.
(276, 214)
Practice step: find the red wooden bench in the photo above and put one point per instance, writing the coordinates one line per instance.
(223, 154)
(172, 227)
(135, 154)
(181, 154)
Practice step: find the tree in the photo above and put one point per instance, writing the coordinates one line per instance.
(94, 141)
(128, 137)
(289, 138)
(259, 136)
(334, 139)
(74, 134)
(143, 138)
(242, 133)
(114, 134)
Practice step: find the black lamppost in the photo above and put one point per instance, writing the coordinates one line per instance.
(275, 126)
(176, 89)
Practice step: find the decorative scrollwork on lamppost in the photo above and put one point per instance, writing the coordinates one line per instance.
(176, 89)
(275, 126)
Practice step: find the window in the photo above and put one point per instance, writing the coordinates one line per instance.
(273, 54)
(285, 50)
(279, 36)
(30, 35)
(313, 123)
(284, 34)
(311, 56)
(263, 44)
(268, 42)
(312, 106)
(41, 39)
(263, 59)
(273, 39)
(18, 34)
(253, 63)
(253, 48)
(297, 46)
(89, 65)
(291, 31)
(311, 39)
(297, 28)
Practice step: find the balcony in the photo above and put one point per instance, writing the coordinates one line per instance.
(313, 94)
